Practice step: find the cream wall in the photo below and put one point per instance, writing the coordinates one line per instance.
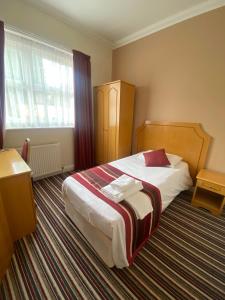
(180, 76)
(29, 19)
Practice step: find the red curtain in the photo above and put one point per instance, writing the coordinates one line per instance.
(83, 130)
(2, 83)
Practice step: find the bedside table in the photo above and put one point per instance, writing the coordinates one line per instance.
(209, 191)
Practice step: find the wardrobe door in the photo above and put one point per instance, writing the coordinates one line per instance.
(99, 126)
(113, 114)
(126, 119)
(105, 125)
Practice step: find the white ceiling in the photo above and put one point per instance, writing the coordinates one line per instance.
(121, 21)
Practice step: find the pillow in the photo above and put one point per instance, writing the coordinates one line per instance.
(156, 158)
(173, 159)
(140, 155)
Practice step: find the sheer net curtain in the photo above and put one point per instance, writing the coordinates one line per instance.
(39, 85)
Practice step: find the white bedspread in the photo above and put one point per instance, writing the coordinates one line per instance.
(170, 181)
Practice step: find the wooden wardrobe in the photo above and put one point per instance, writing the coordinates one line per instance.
(114, 106)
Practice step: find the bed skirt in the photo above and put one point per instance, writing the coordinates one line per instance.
(101, 243)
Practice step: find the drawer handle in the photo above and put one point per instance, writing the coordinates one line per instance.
(211, 187)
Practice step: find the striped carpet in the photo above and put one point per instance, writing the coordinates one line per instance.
(185, 258)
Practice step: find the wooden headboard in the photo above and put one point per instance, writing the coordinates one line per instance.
(187, 140)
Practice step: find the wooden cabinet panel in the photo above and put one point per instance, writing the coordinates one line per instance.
(99, 126)
(6, 242)
(19, 204)
(114, 104)
(126, 120)
(105, 146)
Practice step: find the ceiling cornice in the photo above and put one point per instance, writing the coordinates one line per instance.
(184, 15)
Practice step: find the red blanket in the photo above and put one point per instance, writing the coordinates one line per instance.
(137, 231)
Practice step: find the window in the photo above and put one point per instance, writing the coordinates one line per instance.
(38, 84)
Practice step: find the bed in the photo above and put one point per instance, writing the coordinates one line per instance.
(103, 226)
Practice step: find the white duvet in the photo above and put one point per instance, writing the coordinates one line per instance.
(170, 182)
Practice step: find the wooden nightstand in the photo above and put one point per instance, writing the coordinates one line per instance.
(209, 191)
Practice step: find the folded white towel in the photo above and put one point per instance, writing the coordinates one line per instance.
(118, 196)
(141, 204)
(123, 183)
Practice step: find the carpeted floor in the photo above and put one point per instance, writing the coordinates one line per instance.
(185, 259)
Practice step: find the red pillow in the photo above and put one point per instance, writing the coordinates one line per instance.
(156, 158)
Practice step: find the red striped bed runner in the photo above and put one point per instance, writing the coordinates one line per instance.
(137, 231)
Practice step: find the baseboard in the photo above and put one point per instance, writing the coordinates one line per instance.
(35, 178)
(67, 168)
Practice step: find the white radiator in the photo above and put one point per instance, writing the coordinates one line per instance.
(45, 160)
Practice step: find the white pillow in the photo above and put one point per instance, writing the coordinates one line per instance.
(173, 159)
(140, 155)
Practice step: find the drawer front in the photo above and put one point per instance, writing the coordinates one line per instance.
(211, 187)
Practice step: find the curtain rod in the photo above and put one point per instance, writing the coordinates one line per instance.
(34, 38)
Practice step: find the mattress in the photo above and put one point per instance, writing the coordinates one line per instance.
(170, 182)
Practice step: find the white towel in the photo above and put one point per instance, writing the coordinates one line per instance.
(118, 196)
(141, 204)
(123, 183)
